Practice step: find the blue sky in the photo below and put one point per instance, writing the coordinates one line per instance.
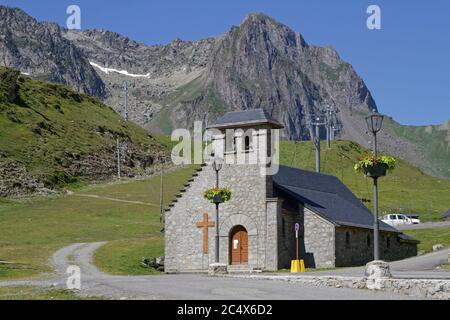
(406, 64)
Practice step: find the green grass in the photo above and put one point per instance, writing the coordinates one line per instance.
(188, 93)
(432, 141)
(406, 189)
(430, 237)
(34, 229)
(35, 293)
(45, 127)
(123, 257)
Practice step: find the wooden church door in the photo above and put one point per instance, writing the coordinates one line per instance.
(239, 245)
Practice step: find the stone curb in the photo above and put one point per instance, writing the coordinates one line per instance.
(424, 288)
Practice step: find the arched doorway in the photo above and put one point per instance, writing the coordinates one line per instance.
(238, 245)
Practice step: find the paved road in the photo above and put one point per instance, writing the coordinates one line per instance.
(421, 267)
(426, 225)
(194, 286)
(190, 286)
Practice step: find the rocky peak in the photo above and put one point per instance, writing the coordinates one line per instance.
(110, 39)
(39, 49)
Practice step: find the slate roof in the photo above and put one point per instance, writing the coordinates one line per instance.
(325, 195)
(245, 117)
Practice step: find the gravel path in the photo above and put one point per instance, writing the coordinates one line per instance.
(185, 286)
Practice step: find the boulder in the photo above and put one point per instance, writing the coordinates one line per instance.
(438, 247)
(157, 263)
(376, 272)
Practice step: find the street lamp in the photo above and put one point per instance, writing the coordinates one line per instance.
(374, 122)
(217, 166)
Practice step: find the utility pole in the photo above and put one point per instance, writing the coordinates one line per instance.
(315, 121)
(121, 147)
(125, 93)
(317, 144)
(161, 192)
(329, 121)
(118, 159)
(330, 125)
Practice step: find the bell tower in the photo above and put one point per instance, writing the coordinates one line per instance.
(248, 137)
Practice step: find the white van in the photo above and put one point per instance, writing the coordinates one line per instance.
(396, 219)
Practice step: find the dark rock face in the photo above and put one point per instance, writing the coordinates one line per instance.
(40, 50)
(264, 64)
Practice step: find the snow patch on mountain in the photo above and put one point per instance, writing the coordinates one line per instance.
(124, 72)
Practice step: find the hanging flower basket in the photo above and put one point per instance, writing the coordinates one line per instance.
(375, 167)
(217, 195)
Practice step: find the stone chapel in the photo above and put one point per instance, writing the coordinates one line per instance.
(256, 227)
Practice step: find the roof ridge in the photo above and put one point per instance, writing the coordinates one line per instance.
(312, 172)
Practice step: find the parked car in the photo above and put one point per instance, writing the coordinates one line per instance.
(414, 218)
(396, 219)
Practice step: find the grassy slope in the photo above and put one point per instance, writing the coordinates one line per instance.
(430, 237)
(406, 187)
(45, 124)
(187, 93)
(433, 141)
(33, 230)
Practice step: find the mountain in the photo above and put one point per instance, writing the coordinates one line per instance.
(51, 136)
(259, 64)
(38, 48)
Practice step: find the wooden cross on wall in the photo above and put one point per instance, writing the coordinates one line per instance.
(205, 224)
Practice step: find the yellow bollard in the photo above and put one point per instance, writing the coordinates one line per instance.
(297, 266)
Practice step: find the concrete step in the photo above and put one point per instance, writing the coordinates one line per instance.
(242, 269)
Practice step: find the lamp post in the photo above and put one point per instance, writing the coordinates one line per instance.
(374, 123)
(217, 166)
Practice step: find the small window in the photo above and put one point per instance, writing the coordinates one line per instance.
(393, 217)
(388, 242)
(247, 143)
(368, 241)
(347, 239)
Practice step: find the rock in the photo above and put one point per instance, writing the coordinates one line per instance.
(157, 263)
(376, 273)
(160, 261)
(217, 269)
(438, 247)
(378, 270)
